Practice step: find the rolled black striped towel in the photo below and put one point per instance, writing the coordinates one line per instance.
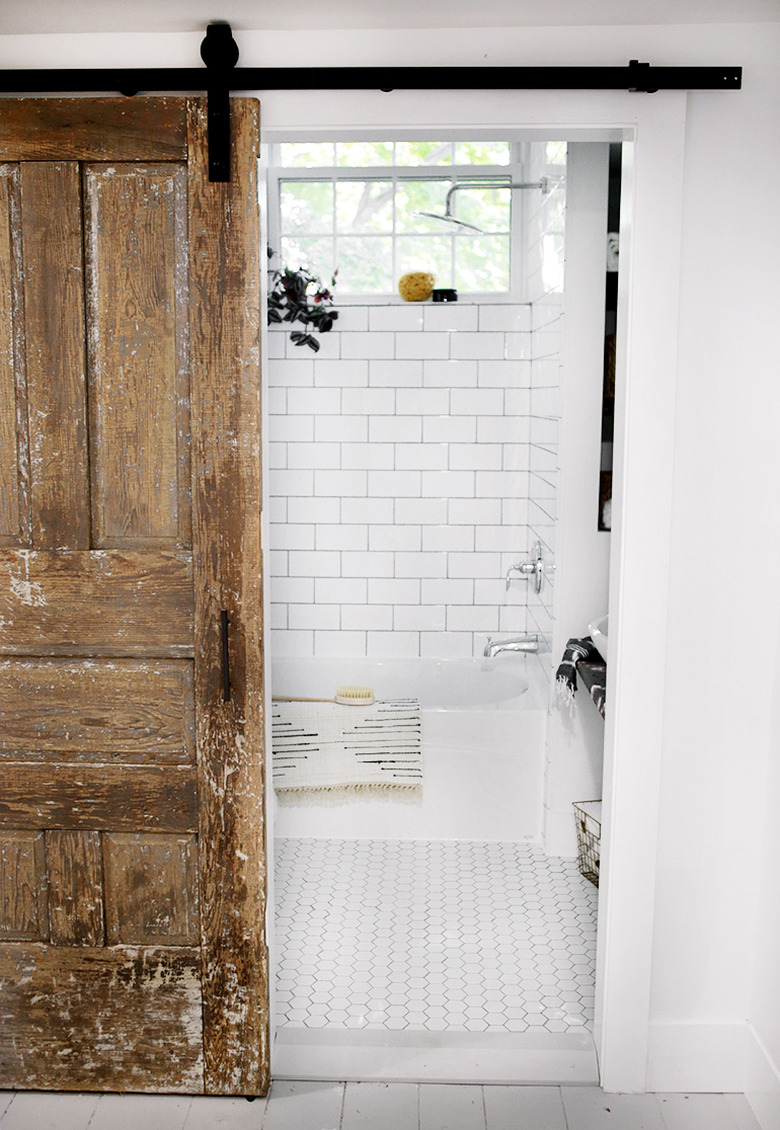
(576, 651)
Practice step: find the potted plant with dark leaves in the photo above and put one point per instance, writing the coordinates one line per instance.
(300, 296)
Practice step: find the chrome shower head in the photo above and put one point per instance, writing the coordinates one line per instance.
(447, 216)
(449, 219)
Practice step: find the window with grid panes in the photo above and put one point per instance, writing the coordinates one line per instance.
(352, 207)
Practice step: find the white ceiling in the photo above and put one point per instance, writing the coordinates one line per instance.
(54, 16)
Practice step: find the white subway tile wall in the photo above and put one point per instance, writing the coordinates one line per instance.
(401, 472)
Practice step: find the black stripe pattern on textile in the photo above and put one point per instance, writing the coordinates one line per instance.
(380, 741)
(581, 650)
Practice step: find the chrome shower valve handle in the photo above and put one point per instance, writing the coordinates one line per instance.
(533, 568)
(527, 568)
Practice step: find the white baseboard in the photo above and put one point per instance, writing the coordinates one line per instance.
(762, 1083)
(697, 1057)
(560, 833)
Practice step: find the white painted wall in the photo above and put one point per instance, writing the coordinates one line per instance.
(716, 922)
(763, 1052)
(718, 724)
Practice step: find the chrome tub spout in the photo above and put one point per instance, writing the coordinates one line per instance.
(516, 643)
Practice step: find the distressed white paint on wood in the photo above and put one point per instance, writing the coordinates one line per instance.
(94, 797)
(104, 129)
(14, 440)
(138, 373)
(169, 256)
(54, 344)
(79, 1011)
(96, 602)
(128, 710)
(23, 886)
(225, 333)
(151, 889)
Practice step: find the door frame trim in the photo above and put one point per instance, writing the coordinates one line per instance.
(651, 226)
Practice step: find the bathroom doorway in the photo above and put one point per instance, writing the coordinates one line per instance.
(654, 200)
(415, 462)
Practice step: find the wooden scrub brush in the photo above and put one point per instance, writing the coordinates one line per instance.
(355, 696)
(347, 696)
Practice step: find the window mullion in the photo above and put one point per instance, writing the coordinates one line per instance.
(335, 227)
(393, 240)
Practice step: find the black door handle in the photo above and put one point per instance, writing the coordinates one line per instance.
(225, 656)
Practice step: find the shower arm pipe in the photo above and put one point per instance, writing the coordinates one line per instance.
(544, 184)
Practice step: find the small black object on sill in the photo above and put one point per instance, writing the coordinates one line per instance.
(445, 295)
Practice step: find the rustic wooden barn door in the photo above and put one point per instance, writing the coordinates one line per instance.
(132, 864)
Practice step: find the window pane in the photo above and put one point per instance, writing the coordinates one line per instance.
(420, 196)
(555, 153)
(423, 153)
(482, 262)
(431, 253)
(307, 155)
(372, 229)
(487, 208)
(482, 153)
(314, 254)
(364, 206)
(361, 153)
(306, 206)
(365, 264)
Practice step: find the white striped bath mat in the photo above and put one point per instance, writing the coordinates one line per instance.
(323, 750)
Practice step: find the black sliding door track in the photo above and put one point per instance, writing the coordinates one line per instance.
(221, 76)
(132, 80)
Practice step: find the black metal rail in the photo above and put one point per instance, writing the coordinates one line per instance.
(636, 76)
(221, 76)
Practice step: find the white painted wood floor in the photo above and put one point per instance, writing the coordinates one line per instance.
(380, 1106)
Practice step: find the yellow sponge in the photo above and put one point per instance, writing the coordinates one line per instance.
(416, 286)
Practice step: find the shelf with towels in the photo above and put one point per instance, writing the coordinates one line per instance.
(594, 677)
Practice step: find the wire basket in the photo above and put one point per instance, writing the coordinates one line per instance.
(587, 814)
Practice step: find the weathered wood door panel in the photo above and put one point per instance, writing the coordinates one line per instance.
(104, 710)
(104, 602)
(132, 953)
(138, 993)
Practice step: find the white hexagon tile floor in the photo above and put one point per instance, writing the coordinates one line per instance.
(432, 935)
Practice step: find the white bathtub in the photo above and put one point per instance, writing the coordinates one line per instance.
(483, 748)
